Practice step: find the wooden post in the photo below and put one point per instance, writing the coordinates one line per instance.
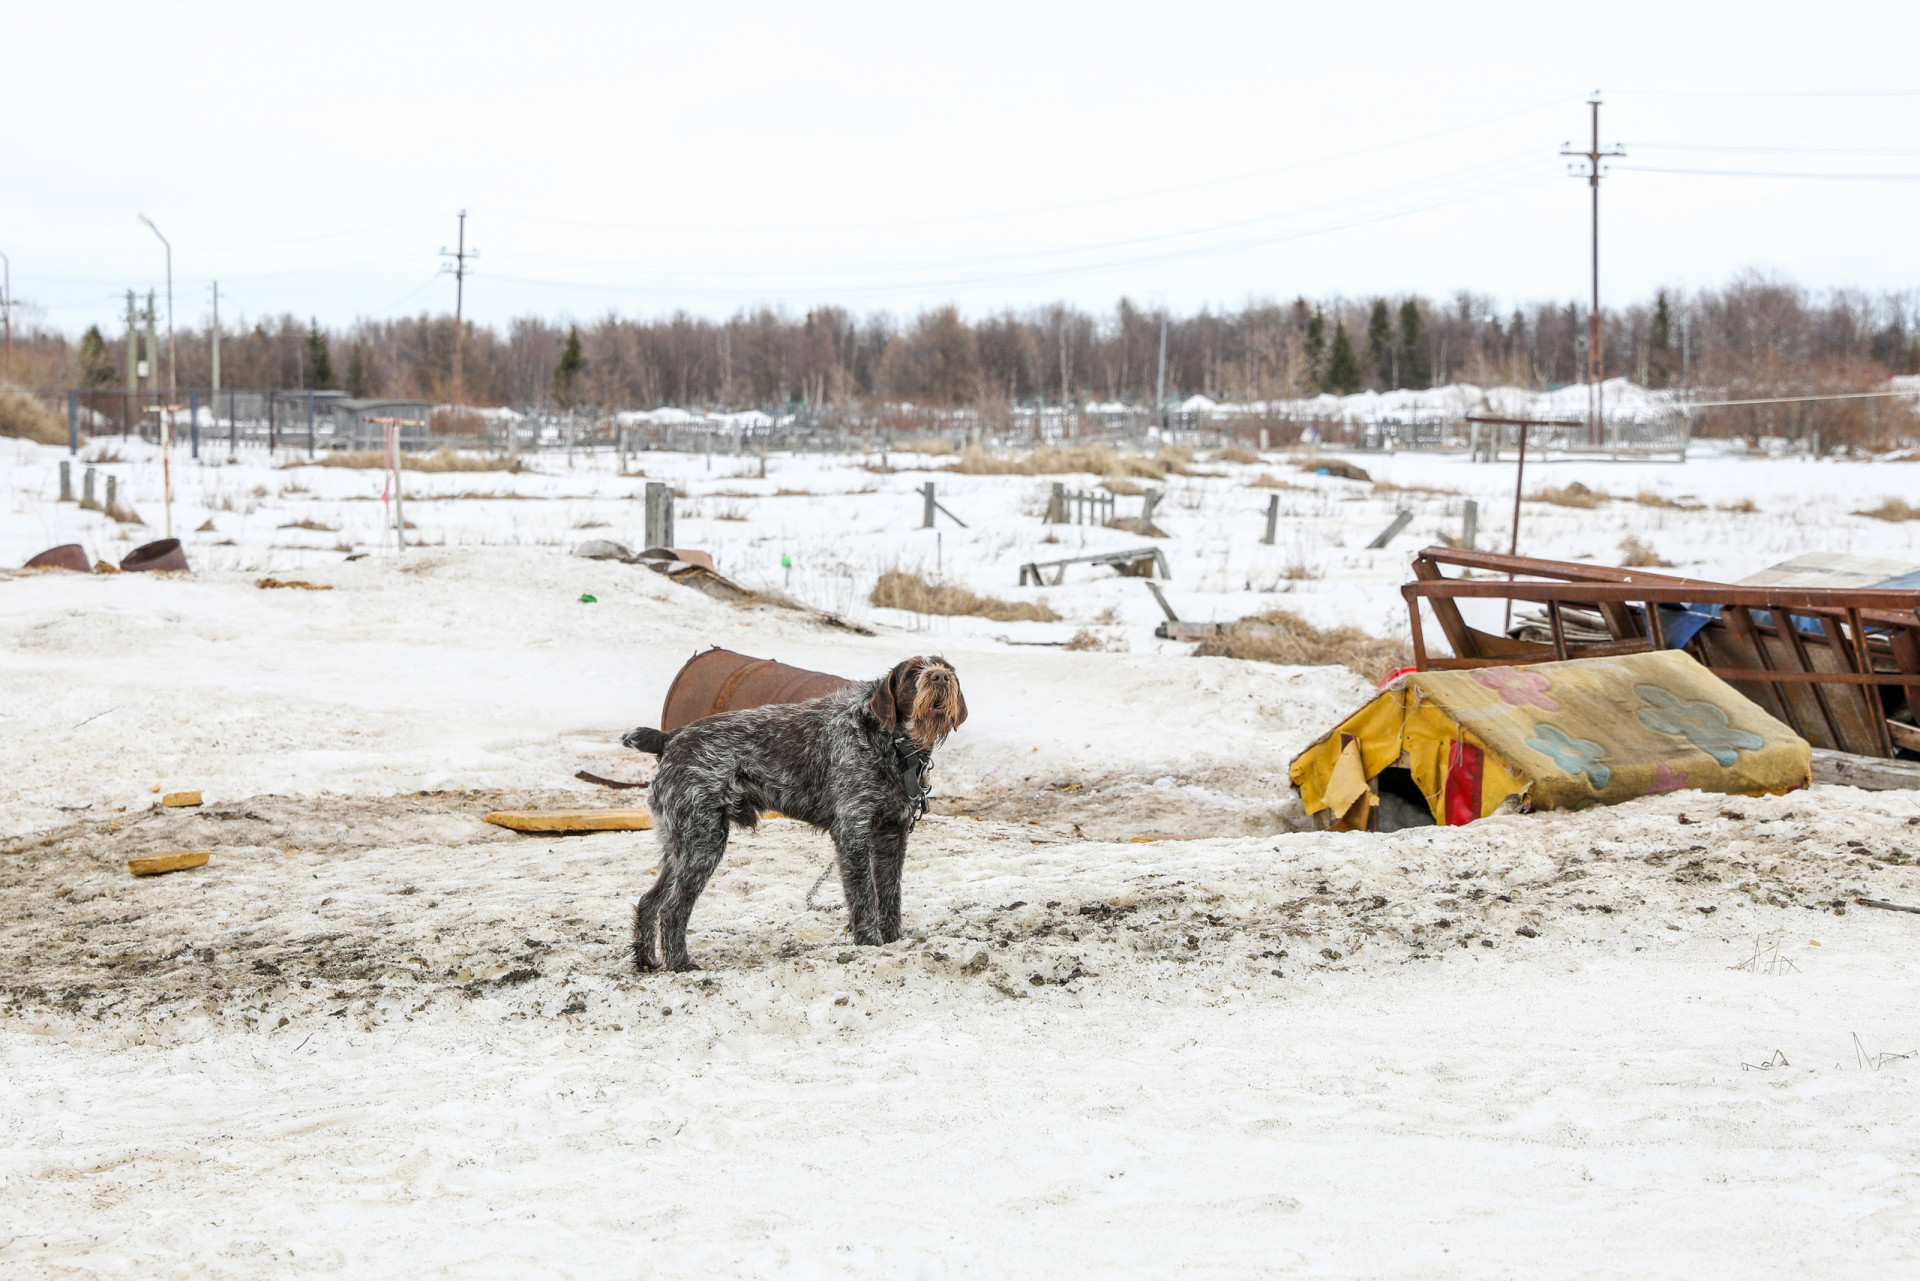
(927, 492)
(73, 422)
(659, 514)
(113, 499)
(66, 481)
(1057, 505)
(1273, 512)
(399, 514)
(1147, 503)
(86, 490)
(1469, 524)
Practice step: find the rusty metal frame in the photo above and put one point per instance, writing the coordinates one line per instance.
(1844, 615)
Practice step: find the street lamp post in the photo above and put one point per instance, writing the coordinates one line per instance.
(172, 379)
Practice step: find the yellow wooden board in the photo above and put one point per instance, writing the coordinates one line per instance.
(167, 861)
(175, 800)
(572, 820)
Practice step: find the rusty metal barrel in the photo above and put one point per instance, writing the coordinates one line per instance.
(66, 556)
(162, 557)
(720, 680)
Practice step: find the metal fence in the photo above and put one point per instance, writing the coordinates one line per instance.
(314, 422)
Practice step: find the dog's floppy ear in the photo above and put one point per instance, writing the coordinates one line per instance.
(891, 693)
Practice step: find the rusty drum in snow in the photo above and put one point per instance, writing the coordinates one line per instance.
(720, 680)
(66, 556)
(164, 556)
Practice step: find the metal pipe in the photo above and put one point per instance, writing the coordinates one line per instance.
(172, 378)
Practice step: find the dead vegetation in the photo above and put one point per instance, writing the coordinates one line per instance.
(443, 460)
(1635, 554)
(1893, 509)
(898, 589)
(1267, 480)
(1282, 636)
(27, 417)
(1123, 487)
(1745, 507)
(309, 523)
(1437, 491)
(1333, 467)
(1096, 460)
(1238, 454)
(1573, 495)
(1647, 498)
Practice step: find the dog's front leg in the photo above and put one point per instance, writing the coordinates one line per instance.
(855, 848)
(889, 860)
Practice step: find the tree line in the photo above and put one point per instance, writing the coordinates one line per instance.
(1752, 335)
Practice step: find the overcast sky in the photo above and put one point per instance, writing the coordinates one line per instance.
(641, 158)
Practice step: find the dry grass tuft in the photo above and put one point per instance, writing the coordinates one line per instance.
(1635, 554)
(1267, 480)
(125, 514)
(1744, 507)
(1097, 460)
(444, 460)
(1647, 498)
(1238, 454)
(1282, 636)
(1574, 495)
(794, 493)
(26, 417)
(1892, 509)
(1085, 641)
(897, 589)
(1333, 467)
(311, 524)
(1388, 487)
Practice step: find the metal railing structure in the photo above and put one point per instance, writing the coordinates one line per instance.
(196, 419)
(318, 421)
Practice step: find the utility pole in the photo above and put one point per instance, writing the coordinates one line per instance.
(133, 348)
(1596, 364)
(1160, 383)
(216, 336)
(172, 381)
(459, 256)
(6, 309)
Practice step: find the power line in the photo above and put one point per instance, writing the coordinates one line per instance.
(1774, 173)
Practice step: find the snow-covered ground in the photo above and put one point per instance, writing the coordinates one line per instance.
(376, 1037)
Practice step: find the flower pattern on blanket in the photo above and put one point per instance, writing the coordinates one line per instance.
(1705, 726)
(1574, 755)
(1667, 779)
(1517, 687)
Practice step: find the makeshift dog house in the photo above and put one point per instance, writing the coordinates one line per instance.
(1593, 731)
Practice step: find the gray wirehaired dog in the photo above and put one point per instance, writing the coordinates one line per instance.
(853, 763)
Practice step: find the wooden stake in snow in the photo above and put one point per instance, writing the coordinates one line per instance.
(1400, 522)
(167, 861)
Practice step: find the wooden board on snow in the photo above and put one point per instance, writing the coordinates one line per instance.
(168, 861)
(572, 820)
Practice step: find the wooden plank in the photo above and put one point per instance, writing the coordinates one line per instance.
(1904, 735)
(167, 861)
(1868, 772)
(180, 800)
(572, 820)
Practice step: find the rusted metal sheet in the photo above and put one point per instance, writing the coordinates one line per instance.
(720, 680)
(66, 556)
(165, 556)
(1836, 685)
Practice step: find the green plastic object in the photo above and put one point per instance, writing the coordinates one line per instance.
(588, 598)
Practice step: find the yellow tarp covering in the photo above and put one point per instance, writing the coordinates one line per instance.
(1593, 731)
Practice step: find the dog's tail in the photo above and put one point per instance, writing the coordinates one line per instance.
(645, 739)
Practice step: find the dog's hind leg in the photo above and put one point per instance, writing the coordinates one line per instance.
(697, 844)
(646, 922)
